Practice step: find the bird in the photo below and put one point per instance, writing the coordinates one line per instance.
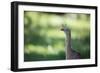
(71, 53)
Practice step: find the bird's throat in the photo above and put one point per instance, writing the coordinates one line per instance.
(68, 44)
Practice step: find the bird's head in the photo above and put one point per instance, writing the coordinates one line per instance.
(64, 28)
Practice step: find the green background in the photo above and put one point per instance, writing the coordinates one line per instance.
(44, 40)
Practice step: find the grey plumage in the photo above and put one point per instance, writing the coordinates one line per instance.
(71, 53)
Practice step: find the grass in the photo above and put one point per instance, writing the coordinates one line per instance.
(41, 57)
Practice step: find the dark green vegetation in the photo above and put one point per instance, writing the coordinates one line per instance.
(44, 40)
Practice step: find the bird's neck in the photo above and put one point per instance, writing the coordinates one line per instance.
(68, 43)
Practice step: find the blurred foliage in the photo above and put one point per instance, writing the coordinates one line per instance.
(44, 40)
